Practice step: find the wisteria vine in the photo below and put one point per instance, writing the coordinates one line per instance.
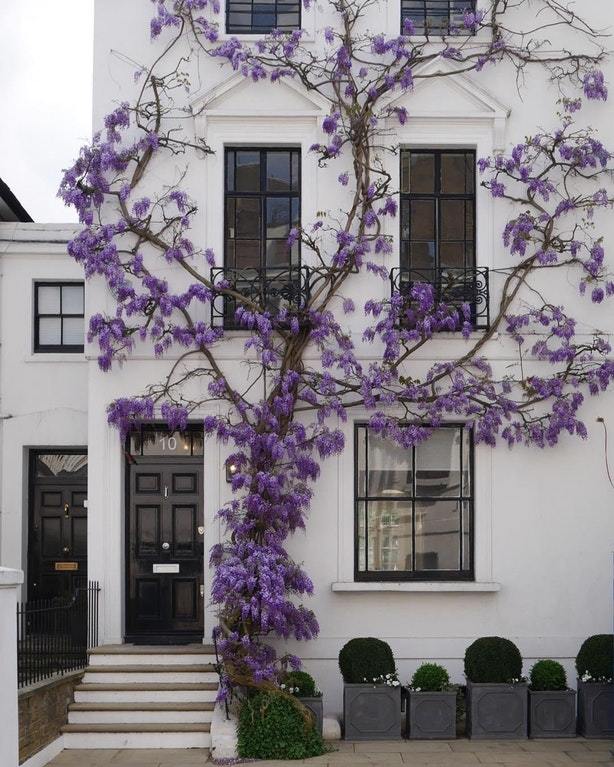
(284, 421)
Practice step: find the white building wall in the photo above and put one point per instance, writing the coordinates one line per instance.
(544, 520)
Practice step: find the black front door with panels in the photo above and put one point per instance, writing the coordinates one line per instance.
(57, 530)
(164, 537)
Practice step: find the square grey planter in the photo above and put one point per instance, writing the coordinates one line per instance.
(431, 715)
(371, 712)
(552, 714)
(595, 709)
(315, 705)
(497, 711)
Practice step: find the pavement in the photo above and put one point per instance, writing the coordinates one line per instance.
(576, 752)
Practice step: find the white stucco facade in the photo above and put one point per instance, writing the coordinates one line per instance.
(544, 520)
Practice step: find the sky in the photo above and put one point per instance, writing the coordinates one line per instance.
(46, 50)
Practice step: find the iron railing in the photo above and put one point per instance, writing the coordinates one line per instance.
(269, 289)
(54, 635)
(436, 17)
(452, 286)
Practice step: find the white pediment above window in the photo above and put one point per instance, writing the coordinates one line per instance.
(240, 96)
(440, 95)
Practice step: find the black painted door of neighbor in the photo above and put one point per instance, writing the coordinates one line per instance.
(164, 539)
(57, 530)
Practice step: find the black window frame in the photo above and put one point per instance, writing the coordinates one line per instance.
(415, 575)
(61, 347)
(251, 29)
(262, 195)
(424, 31)
(437, 195)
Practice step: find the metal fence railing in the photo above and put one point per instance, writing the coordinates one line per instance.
(54, 635)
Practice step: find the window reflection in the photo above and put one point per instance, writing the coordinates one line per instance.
(413, 506)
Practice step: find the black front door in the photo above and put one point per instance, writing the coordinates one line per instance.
(164, 549)
(57, 535)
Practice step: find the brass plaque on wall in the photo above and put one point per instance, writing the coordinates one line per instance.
(66, 565)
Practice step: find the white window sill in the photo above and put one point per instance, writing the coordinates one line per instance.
(417, 586)
(55, 357)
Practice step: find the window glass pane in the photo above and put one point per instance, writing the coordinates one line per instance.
(389, 534)
(453, 173)
(452, 213)
(165, 443)
(422, 221)
(466, 511)
(469, 220)
(277, 253)
(390, 468)
(61, 464)
(48, 299)
(422, 259)
(247, 217)
(247, 254)
(230, 217)
(361, 461)
(73, 332)
(469, 173)
(278, 171)
(466, 437)
(72, 299)
(438, 464)
(362, 551)
(295, 167)
(405, 219)
(50, 331)
(437, 535)
(278, 217)
(136, 443)
(248, 172)
(230, 171)
(198, 443)
(296, 216)
(452, 255)
(421, 174)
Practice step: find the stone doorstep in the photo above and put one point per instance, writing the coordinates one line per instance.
(130, 649)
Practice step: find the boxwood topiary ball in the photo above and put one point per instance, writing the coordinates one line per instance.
(596, 657)
(430, 677)
(548, 675)
(365, 658)
(493, 660)
(302, 682)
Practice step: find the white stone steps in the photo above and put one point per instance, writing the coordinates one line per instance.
(90, 736)
(144, 697)
(143, 707)
(136, 714)
(119, 655)
(146, 693)
(124, 673)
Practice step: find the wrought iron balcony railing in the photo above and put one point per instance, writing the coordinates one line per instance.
(270, 289)
(452, 286)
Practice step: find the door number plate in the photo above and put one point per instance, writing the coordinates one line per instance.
(166, 568)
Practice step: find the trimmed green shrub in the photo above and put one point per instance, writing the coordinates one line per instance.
(273, 727)
(494, 660)
(596, 657)
(300, 683)
(365, 658)
(548, 675)
(430, 677)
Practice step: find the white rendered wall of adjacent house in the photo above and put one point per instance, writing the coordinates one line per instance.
(44, 396)
(544, 520)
